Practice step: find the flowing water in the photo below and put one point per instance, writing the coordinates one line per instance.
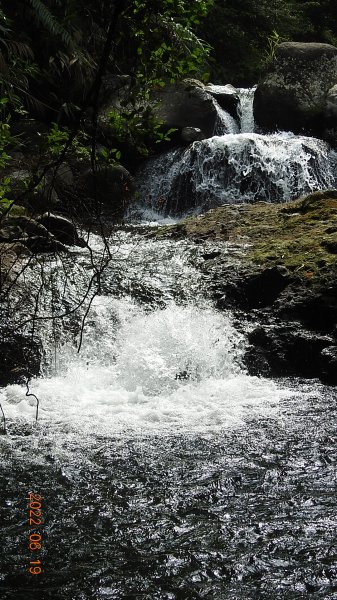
(239, 165)
(165, 470)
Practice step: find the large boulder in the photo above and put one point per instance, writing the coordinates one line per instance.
(186, 104)
(293, 96)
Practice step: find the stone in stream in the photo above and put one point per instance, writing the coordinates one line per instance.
(296, 94)
(63, 229)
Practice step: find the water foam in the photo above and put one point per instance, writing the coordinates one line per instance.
(171, 369)
(235, 168)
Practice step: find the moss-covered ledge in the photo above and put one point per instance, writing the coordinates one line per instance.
(300, 235)
(284, 278)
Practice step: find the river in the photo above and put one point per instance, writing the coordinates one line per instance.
(165, 470)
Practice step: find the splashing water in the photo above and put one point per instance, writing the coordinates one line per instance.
(235, 168)
(164, 359)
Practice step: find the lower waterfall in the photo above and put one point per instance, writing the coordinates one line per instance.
(234, 168)
(160, 356)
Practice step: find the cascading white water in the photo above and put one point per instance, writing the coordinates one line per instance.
(155, 354)
(235, 167)
(247, 122)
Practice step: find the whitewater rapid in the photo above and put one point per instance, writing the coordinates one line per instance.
(159, 357)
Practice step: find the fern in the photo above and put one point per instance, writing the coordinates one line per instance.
(43, 14)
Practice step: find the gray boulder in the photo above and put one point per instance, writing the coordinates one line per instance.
(186, 104)
(293, 96)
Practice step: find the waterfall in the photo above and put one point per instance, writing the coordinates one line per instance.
(247, 122)
(156, 353)
(225, 123)
(233, 168)
(236, 165)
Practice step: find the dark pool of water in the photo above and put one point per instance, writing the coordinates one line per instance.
(246, 513)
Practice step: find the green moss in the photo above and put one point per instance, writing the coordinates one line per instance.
(300, 235)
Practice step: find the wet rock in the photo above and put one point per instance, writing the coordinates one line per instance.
(192, 134)
(253, 288)
(211, 255)
(293, 95)
(329, 364)
(37, 244)
(285, 350)
(186, 104)
(314, 306)
(62, 228)
(20, 357)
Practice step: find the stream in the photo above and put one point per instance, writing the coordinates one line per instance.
(165, 470)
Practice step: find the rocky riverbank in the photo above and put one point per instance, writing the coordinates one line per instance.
(276, 266)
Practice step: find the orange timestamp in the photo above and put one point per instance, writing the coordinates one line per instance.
(35, 538)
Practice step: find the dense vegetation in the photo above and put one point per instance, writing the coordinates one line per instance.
(243, 33)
